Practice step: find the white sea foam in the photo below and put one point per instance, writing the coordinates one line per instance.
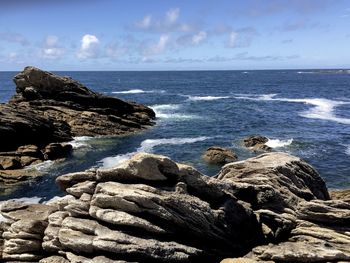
(206, 98)
(306, 72)
(169, 111)
(137, 91)
(80, 142)
(148, 146)
(347, 150)
(276, 143)
(42, 167)
(322, 108)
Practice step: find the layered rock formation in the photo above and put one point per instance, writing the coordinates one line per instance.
(272, 208)
(49, 109)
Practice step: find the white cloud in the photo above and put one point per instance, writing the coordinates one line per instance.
(14, 38)
(116, 51)
(232, 42)
(172, 15)
(199, 38)
(159, 47)
(168, 23)
(145, 23)
(89, 47)
(52, 49)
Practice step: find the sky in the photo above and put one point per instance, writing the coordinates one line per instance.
(174, 35)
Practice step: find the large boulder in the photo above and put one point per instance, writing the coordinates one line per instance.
(294, 208)
(219, 155)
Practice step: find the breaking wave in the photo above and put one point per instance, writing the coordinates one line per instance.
(206, 98)
(322, 108)
(137, 91)
(169, 111)
(276, 143)
(148, 146)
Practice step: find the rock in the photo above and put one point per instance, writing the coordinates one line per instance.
(254, 140)
(257, 143)
(343, 195)
(30, 150)
(54, 259)
(219, 155)
(55, 151)
(275, 181)
(11, 177)
(270, 208)
(23, 237)
(10, 162)
(48, 110)
(151, 208)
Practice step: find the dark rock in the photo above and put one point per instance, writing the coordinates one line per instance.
(257, 143)
(48, 109)
(219, 155)
(55, 151)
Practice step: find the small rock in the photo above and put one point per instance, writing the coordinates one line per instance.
(257, 143)
(55, 151)
(10, 162)
(219, 155)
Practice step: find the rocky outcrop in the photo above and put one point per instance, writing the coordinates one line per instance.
(256, 143)
(299, 220)
(219, 155)
(271, 208)
(51, 109)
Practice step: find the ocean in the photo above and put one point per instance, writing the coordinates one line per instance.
(304, 113)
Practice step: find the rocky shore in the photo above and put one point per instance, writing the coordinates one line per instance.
(270, 208)
(48, 111)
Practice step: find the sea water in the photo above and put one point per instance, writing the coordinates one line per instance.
(307, 115)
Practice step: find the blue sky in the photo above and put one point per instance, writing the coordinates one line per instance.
(174, 35)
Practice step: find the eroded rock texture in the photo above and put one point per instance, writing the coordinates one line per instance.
(292, 203)
(271, 208)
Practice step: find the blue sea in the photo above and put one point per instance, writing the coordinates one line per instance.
(304, 113)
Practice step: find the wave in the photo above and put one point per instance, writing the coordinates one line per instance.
(276, 143)
(206, 98)
(306, 72)
(168, 111)
(137, 91)
(323, 108)
(347, 151)
(148, 146)
(80, 142)
(42, 167)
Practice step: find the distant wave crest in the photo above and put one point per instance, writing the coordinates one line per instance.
(347, 150)
(206, 98)
(322, 108)
(137, 91)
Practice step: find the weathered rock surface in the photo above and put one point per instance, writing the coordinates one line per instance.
(293, 205)
(343, 195)
(219, 155)
(51, 109)
(271, 208)
(256, 143)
